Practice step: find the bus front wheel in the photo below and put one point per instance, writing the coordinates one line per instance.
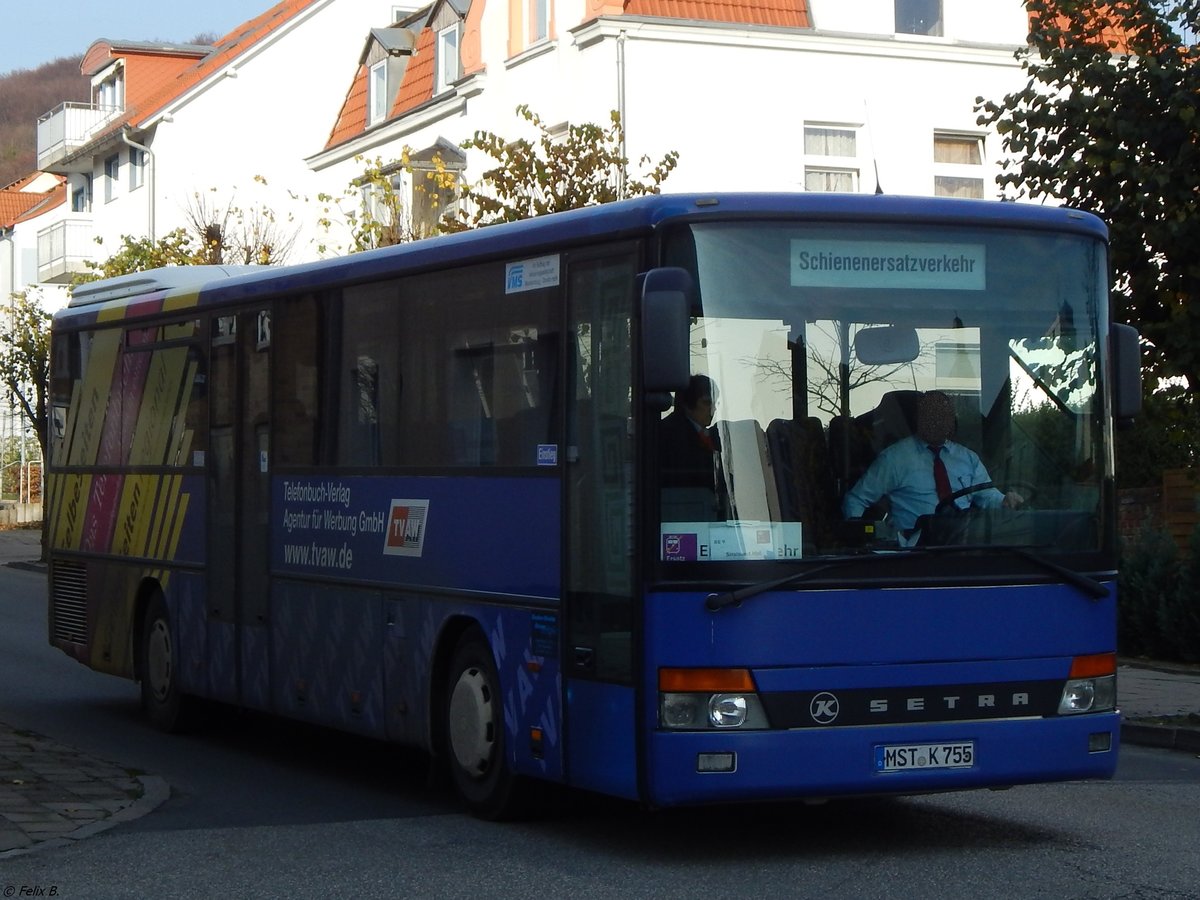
(475, 734)
(165, 705)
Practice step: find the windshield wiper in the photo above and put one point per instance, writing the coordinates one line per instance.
(1089, 586)
(734, 598)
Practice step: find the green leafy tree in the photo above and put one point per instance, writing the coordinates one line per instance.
(178, 248)
(1107, 122)
(25, 360)
(582, 165)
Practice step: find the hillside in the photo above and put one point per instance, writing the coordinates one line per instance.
(24, 95)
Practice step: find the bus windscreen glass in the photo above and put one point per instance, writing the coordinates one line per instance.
(822, 345)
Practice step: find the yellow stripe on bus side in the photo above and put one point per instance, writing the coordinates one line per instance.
(181, 445)
(154, 416)
(86, 423)
(177, 526)
(165, 521)
(73, 491)
(181, 301)
(111, 312)
(133, 515)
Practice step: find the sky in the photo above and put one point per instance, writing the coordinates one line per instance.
(33, 32)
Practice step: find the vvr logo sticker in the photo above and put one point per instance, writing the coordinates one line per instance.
(823, 708)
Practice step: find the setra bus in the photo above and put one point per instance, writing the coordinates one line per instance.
(421, 494)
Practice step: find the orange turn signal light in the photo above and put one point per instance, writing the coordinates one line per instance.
(1094, 666)
(713, 681)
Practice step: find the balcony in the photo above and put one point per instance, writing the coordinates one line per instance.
(64, 130)
(62, 250)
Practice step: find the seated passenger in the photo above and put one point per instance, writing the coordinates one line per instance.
(917, 472)
(687, 443)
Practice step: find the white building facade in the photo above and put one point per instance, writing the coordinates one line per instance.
(279, 116)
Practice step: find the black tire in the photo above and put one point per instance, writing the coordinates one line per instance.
(475, 736)
(164, 704)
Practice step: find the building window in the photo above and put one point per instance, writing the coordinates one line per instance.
(831, 158)
(958, 166)
(919, 17)
(377, 94)
(539, 20)
(447, 61)
(112, 171)
(110, 94)
(81, 195)
(137, 168)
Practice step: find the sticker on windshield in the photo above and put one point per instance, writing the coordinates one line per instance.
(889, 264)
(531, 274)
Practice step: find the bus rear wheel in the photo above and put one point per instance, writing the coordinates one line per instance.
(163, 702)
(473, 721)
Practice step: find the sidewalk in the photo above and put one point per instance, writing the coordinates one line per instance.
(51, 794)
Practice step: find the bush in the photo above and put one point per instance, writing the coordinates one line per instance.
(1150, 573)
(1158, 606)
(1179, 615)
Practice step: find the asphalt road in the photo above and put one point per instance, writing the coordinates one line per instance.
(265, 808)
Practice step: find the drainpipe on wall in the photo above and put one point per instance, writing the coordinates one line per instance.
(150, 165)
(623, 174)
(9, 237)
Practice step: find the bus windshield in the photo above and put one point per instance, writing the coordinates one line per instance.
(823, 354)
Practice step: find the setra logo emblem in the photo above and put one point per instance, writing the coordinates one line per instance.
(823, 708)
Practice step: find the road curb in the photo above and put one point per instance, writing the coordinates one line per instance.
(1166, 737)
(155, 792)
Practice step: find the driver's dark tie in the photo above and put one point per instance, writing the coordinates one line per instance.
(940, 479)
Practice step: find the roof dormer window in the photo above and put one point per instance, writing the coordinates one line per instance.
(377, 93)
(110, 92)
(447, 63)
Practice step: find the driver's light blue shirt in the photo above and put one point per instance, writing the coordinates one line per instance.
(904, 473)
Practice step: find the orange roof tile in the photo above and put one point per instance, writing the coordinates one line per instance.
(780, 13)
(417, 86)
(418, 83)
(155, 79)
(16, 204)
(352, 119)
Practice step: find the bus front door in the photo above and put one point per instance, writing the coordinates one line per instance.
(599, 665)
(239, 500)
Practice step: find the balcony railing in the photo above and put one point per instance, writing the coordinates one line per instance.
(64, 130)
(63, 248)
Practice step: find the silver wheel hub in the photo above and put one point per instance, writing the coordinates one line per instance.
(158, 659)
(472, 722)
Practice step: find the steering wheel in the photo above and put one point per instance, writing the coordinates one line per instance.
(947, 502)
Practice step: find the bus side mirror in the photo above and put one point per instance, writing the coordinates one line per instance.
(1125, 351)
(666, 330)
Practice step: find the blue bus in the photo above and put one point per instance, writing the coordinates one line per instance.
(425, 494)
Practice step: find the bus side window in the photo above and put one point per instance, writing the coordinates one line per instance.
(295, 392)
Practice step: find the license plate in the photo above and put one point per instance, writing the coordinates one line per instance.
(906, 757)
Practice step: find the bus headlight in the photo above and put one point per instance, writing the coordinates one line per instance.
(727, 710)
(1081, 695)
(1091, 686)
(679, 710)
(703, 699)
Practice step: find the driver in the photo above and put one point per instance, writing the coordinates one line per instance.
(920, 471)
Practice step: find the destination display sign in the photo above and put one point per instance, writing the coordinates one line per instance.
(888, 264)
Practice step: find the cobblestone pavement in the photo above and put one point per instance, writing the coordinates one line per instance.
(51, 794)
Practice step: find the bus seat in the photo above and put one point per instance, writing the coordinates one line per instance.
(749, 476)
(893, 419)
(849, 451)
(803, 473)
